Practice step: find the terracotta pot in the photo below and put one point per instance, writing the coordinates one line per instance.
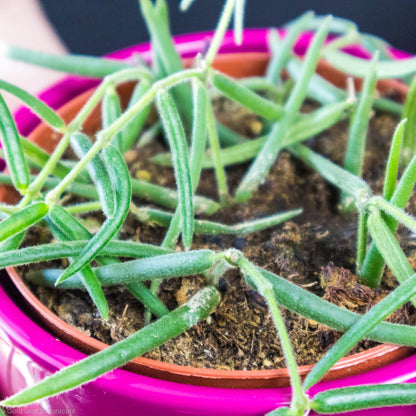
(238, 65)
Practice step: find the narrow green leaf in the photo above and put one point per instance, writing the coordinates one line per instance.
(169, 197)
(214, 146)
(41, 109)
(199, 131)
(348, 38)
(354, 155)
(337, 24)
(376, 44)
(339, 177)
(131, 130)
(198, 143)
(81, 144)
(12, 243)
(158, 26)
(397, 213)
(158, 267)
(348, 399)
(389, 247)
(177, 143)
(93, 286)
(392, 167)
(147, 298)
(185, 5)
(10, 141)
(262, 84)
(22, 219)
(409, 134)
(362, 237)
(88, 66)
(84, 207)
(319, 88)
(68, 225)
(199, 128)
(246, 97)
(219, 32)
(54, 251)
(239, 21)
(405, 186)
(357, 137)
(390, 106)
(110, 112)
(359, 67)
(163, 218)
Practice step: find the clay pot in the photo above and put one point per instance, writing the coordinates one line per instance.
(261, 394)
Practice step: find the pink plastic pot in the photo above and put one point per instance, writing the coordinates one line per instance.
(28, 353)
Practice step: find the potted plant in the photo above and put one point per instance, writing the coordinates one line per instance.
(101, 162)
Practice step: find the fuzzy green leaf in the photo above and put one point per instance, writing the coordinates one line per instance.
(88, 66)
(359, 67)
(177, 143)
(392, 167)
(14, 155)
(22, 219)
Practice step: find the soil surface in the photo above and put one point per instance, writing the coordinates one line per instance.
(315, 250)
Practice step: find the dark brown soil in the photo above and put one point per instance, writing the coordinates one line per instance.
(315, 250)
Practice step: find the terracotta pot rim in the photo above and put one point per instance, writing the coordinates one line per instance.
(354, 364)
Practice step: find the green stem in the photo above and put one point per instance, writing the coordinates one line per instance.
(215, 149)
(220, 31)
(50, 165)
(264, 287)
(132, 74)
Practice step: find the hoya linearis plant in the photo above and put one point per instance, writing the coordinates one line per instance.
(198, 141)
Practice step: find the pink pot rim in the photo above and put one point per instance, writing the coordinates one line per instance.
(52, 354)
